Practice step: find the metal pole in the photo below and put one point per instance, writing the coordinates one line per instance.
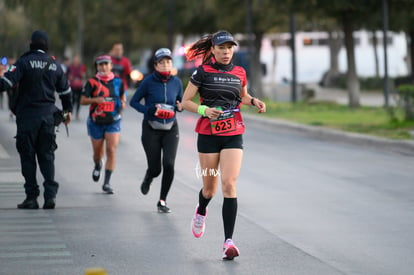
(80, 29)
(384, 33)
(292, 27)
(250, 48)
(170, 23)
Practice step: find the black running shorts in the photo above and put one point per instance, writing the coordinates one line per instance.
(214, 144)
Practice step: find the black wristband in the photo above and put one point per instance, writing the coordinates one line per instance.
(252, 101)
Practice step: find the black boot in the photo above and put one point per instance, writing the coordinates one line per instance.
(28, 204)
(49, 203)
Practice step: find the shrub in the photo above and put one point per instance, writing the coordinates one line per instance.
(406, 100)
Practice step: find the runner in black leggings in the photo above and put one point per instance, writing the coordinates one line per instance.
(155, 142)
(162, 93)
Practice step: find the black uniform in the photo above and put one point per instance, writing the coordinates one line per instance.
(38, 77)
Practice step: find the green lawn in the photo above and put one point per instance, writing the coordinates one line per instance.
(367, 120)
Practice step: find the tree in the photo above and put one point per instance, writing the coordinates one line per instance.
(253, 18)
(55, 19)
(351, 15)
(13, 34)
(402, 16)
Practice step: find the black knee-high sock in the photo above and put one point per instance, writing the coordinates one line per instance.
(108, 174)
(98, 165)
(202, 203)
(229, 216)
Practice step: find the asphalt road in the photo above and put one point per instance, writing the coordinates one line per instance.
(307, 205)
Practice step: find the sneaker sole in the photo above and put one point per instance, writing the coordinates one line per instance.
(109, 192)
(30, 208)
(230, 253)
(165, 212)
(195, 234)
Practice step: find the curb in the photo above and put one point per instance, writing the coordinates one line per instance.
(405, 147)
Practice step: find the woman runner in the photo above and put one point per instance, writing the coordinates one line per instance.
(105, 94)
(163, 93)
(222, 87)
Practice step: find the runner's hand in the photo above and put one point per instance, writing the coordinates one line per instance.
(260, 105)
(179, 106)
(68, 118)
(99, 100)
(213, 113)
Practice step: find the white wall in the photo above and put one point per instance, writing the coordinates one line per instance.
(313, 61)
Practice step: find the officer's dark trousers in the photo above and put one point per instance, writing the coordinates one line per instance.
(36, 139)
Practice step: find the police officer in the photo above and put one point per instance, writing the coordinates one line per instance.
(38, 76)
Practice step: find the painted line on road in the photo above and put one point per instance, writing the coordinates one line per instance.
(24, 214)
(15, 228)
(5, 238)
(11, 191)
(37, 233)
(31, 236)
(3, 153)
(33, 246)
(11, 176)
(35, 254)
(11, 185)
(25, 221)
(40, 262)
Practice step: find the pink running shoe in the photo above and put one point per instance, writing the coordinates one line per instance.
(198, 224)
(230, 250)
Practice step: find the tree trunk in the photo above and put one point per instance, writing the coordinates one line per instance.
(352, 77)
(411, 33)
(256, 69)
(374, 46)
(335, 44)
(80, 29)
(407, 58)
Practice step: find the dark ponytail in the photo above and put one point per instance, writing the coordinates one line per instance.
(201, 47)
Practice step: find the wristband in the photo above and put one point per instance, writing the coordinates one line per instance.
(202, 110)
(252, 101)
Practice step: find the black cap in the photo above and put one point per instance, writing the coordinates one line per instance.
(40, 37)
(162, 53)
(222, 37)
